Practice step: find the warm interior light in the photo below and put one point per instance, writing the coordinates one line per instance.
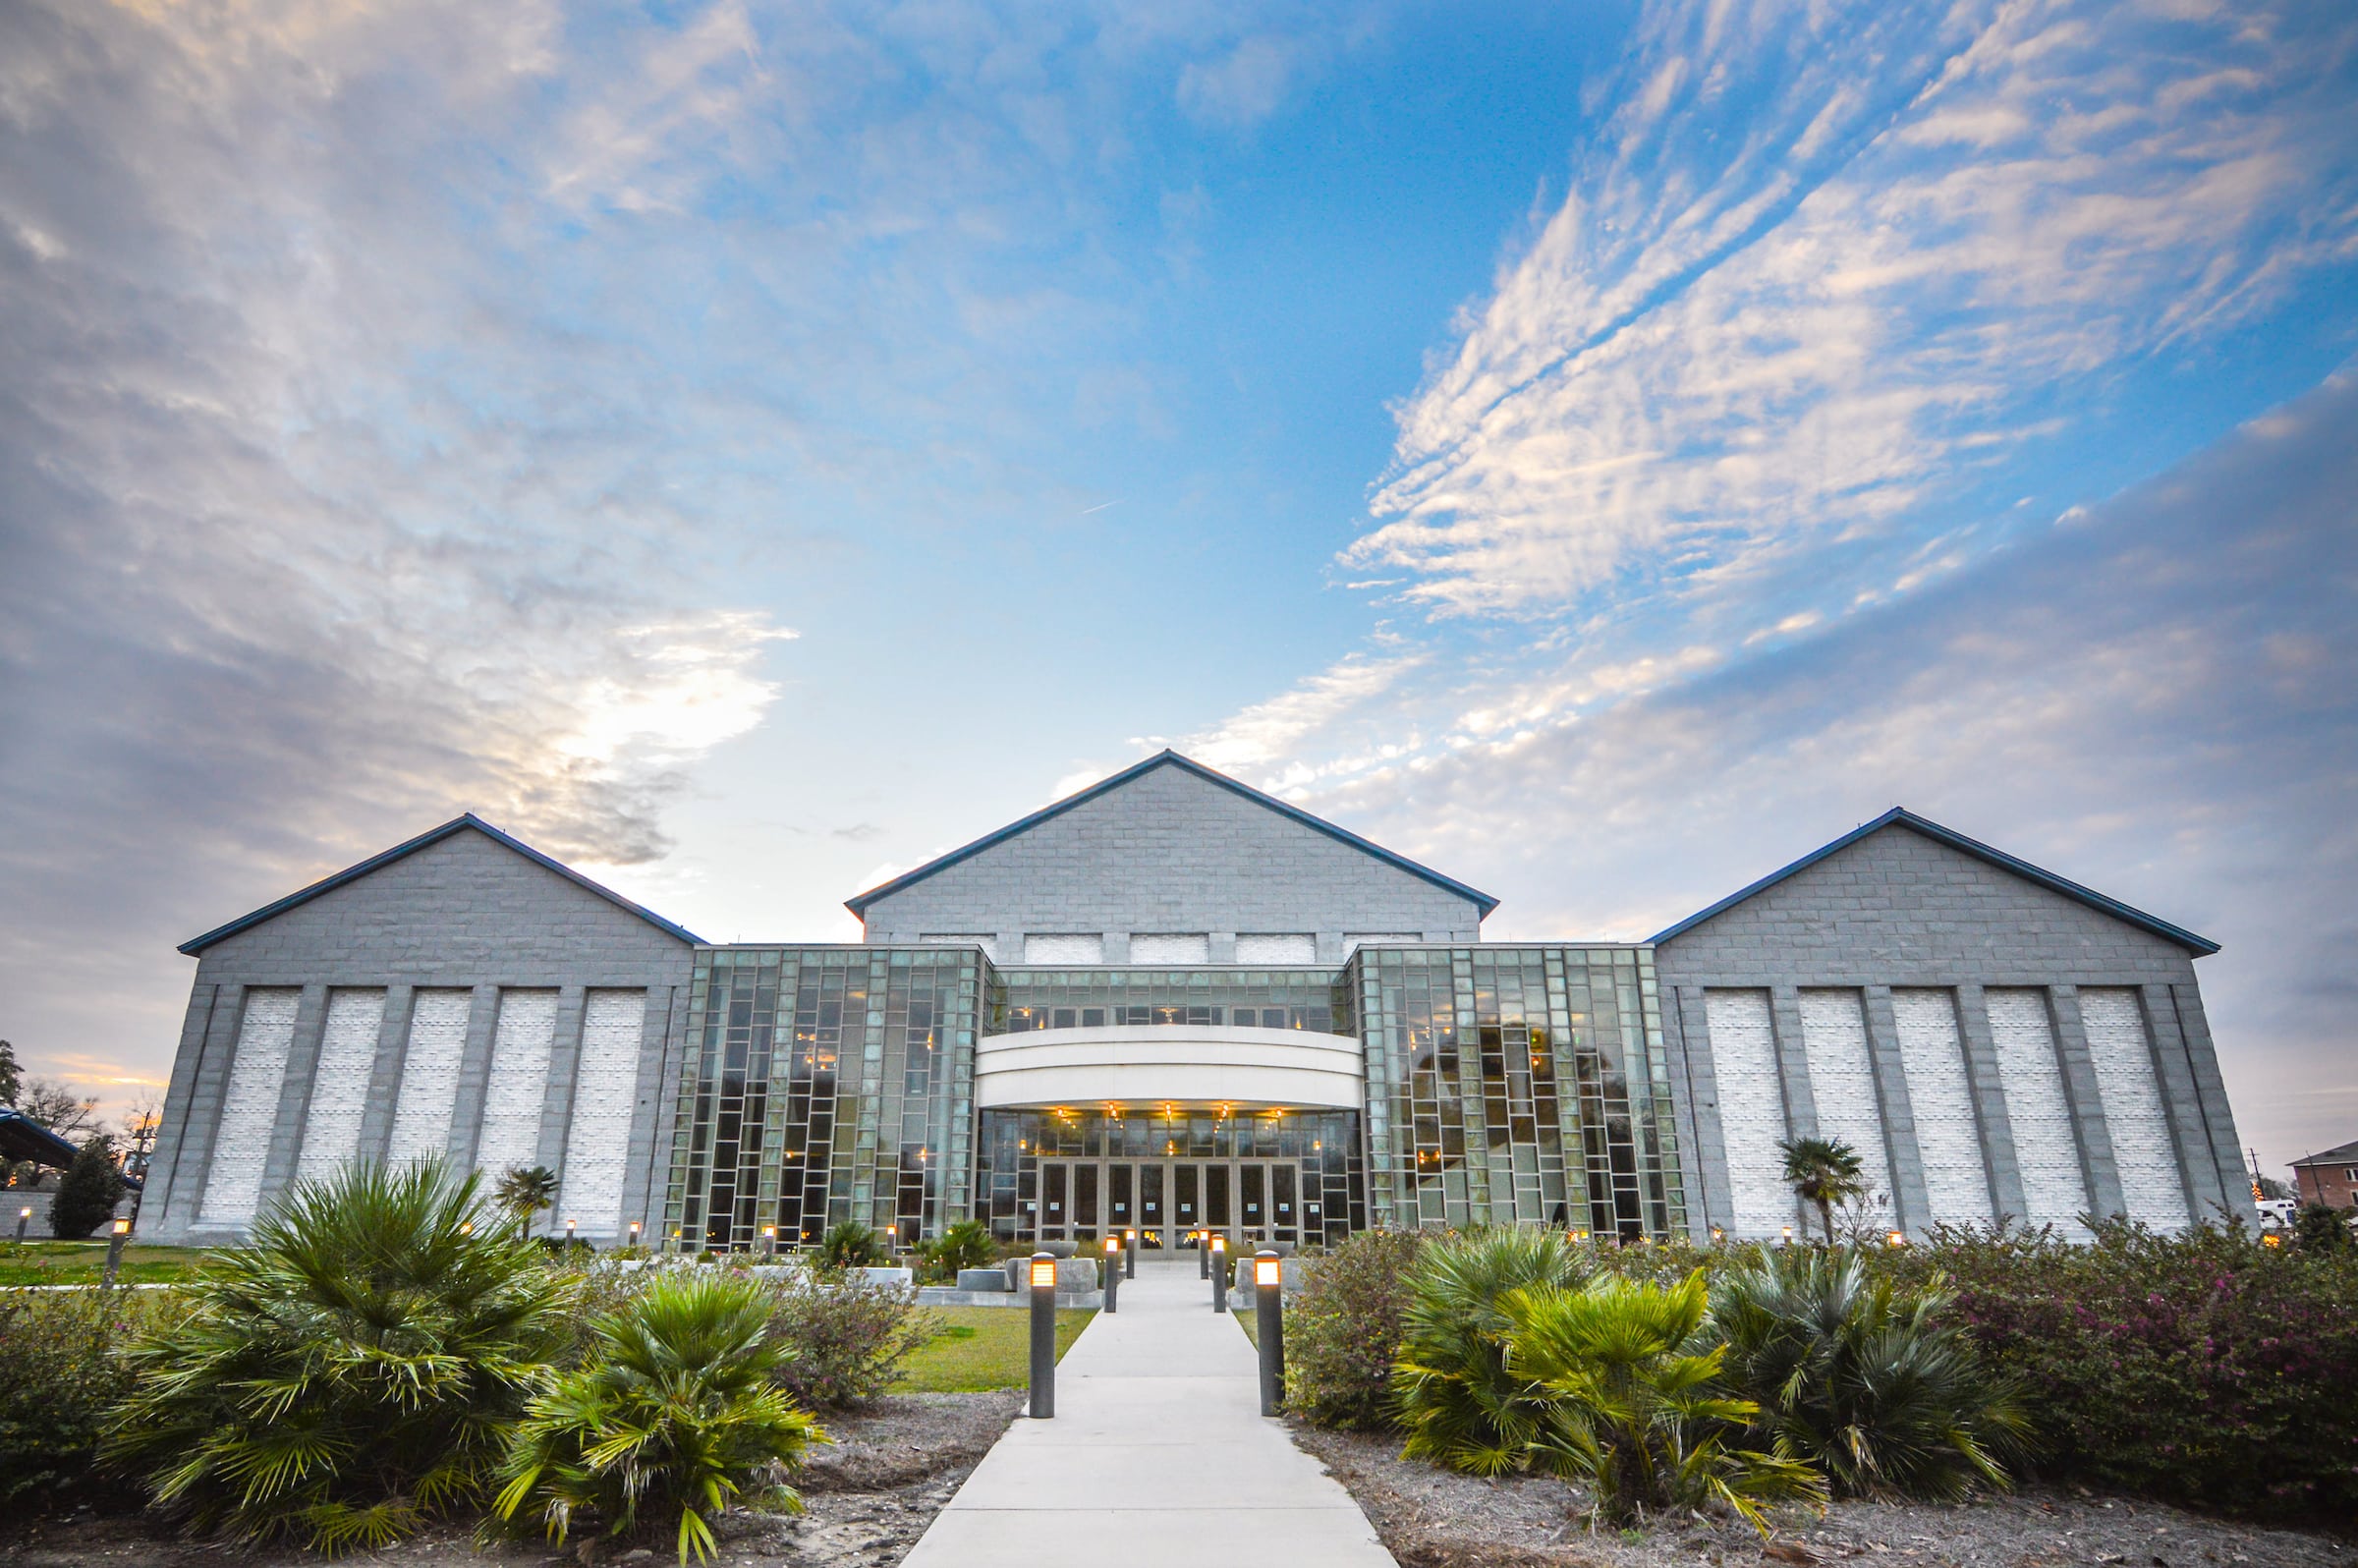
(1043, 1273)
(1267, 1271)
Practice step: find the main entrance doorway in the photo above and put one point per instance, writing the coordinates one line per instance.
(1163, 1199)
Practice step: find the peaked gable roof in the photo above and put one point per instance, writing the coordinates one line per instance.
(1169, 759)
(2339, 1154)
(457, 825)
(1901, 816)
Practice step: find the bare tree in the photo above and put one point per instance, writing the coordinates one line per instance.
(54, 1105)
(137, 1132)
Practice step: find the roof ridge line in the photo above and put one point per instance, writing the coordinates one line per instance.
(433, 835)
(859, 903)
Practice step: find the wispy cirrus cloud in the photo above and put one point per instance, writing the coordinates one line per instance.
(1826, 261)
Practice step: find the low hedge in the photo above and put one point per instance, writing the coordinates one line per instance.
(2200, 1368)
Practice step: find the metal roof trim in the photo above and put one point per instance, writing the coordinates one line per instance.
(858, 904)
(467, 820)
(1901, 816)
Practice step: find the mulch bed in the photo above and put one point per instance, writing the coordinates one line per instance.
(1431, 1518)
(867, 1498)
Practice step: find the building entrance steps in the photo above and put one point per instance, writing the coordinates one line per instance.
(1157, 1456)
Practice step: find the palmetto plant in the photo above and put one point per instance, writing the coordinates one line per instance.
(851, 1245)
(1860, 1376)
(1824, 1172)
(351, 1370)
(1633, 1405)
(673, 1418)
(1451, 1387)
(524, 1191)
(968, 1243)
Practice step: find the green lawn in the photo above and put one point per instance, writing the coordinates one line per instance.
(981, 1348)
(81, 1262)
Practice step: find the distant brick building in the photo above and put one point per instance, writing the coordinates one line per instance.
(2329, 1178)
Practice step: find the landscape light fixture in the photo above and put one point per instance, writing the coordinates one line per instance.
(1898, 1237)
(634, 1233)
(23, 1218)
(1788, 1237)
(1113, 1271)
(114, 1253)
(1717, 1235)
(1266, 1269)
(569, 1233)
(1219, 1273)
(1268, 1308)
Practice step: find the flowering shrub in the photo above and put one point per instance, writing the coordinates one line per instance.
(843, 1340)
(61, 1374)
(1343, 1329)
(2199, 1368)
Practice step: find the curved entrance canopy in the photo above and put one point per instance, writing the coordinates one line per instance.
(1169, 1064)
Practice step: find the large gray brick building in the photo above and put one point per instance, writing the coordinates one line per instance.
(1172, 1004)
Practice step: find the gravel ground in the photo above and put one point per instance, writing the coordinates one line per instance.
(866, 1499)
(1430, 1518)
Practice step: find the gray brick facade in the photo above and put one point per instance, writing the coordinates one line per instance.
(1171, 852)
(2002, 1044)
(1899, 908)
(465, 911)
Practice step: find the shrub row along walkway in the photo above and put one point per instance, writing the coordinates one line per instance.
(1158, 1457)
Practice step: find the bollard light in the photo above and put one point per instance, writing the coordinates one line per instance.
(114, 1253)
(1717, 1235)
(634, 1233)
(1203, 1240)
(1113, 1273)
(569, 1235)
(1788, 1237)
(23, 1218)
(1898, 1237)
(769, 1240)
(1219, 1273)
(1129, 1254)
(1043, 1336)
(1269, 1305)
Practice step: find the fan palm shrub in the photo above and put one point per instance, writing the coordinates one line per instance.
(350, 1372)
(1632, 1403)
(1824, 1172)
(1452, 1389)
(968, 1243)
(1865, 1379)
(851, 1245)
(672, 1419)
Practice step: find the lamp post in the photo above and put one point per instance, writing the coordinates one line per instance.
(1043, 1336)
(1268, 1292)
(1219, 1273)
(1113, 1273)
(114, 1253)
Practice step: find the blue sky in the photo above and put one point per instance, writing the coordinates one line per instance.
(1605, 450)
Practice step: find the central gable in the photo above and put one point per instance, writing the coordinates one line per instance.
(1170, 846)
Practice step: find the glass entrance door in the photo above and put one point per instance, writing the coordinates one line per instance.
(1164, 1200)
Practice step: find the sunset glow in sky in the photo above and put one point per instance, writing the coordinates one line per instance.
(1601, 451)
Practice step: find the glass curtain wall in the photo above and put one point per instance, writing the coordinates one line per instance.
(1518, 1086)
(824, 1084)
(1095, 998)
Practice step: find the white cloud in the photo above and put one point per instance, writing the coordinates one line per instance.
(1829, 260)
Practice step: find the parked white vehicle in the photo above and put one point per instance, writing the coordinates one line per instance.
(2275, 1213)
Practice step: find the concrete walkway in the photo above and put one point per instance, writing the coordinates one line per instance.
(1158, 1457)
